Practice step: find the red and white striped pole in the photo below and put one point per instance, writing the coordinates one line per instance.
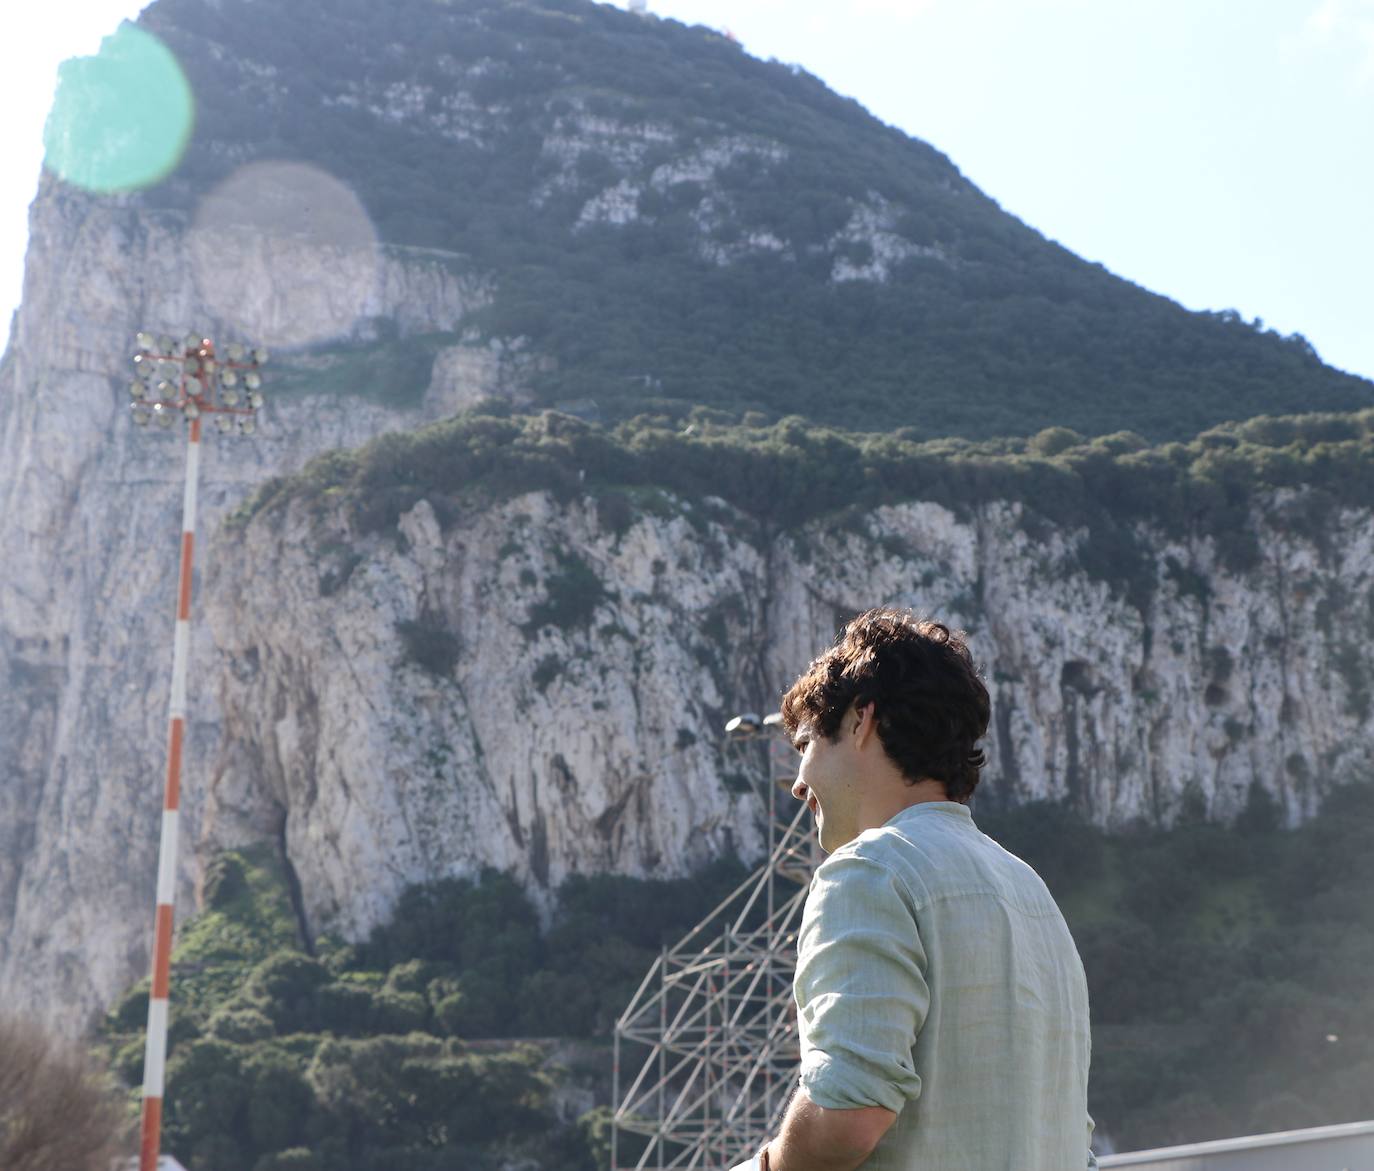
(187, 380)
(155, 1052)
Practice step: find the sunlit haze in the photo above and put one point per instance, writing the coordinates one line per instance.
(1215, 153)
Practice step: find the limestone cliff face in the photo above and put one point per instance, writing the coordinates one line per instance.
(523, 689)
(89, 515)
(532, 685)
(528, 687)
(1218, 681)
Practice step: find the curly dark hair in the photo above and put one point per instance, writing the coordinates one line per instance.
(931, 707)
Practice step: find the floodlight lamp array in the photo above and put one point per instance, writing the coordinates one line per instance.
(189, 378)
(744, 726)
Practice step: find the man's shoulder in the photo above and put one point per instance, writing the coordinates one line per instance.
(867, 867)
(935, 855)
(866, 856)
(920, 836)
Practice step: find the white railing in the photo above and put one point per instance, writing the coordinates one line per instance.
(1349, 1147)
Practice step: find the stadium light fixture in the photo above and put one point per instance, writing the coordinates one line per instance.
(187, 380)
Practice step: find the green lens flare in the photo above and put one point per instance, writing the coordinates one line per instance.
(121, 119)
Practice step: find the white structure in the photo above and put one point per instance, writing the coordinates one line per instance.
(640, 6)
(713, 1029)
(1323, 1148)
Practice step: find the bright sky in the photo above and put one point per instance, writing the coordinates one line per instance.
(1220, 152)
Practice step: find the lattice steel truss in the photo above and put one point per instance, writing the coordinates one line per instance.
(714, 1022)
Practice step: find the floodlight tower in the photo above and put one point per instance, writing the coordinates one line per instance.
(714, 1020)
(189, 380)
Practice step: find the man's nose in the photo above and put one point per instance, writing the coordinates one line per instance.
(799, 789)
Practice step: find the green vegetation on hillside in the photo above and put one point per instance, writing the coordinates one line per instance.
(790, 472)
(521, 112)
(1228, 969)
(387, 1053)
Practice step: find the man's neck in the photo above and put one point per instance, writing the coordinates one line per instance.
(890, 799)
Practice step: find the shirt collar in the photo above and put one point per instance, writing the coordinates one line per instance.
(930, 808)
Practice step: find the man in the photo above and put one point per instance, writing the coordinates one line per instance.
(941, 1002)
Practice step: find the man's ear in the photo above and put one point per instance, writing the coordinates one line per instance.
(866, 722)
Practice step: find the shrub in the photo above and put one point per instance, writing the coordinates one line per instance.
(572, 594)
(225, 880)
(398, 1012)
(292, 1159)
(1053, 440)
(56, 1113)
(429, 644)
(546, 671)
(240, 1024)
(285, 985)
(345, 1009)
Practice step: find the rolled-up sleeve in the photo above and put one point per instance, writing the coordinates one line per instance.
(861, 988)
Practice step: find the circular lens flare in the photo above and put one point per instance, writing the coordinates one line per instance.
(286, 254)
(120, 120)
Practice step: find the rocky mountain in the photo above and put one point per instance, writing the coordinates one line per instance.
(668, 222)
(512, 641)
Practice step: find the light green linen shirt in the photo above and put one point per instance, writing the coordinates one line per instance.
(937, 977)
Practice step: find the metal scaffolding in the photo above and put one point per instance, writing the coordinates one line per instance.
(713, 1025)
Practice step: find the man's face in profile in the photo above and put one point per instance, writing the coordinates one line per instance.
(827, 781)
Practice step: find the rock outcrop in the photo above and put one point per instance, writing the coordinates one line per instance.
(531, 687)
(89, 522)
